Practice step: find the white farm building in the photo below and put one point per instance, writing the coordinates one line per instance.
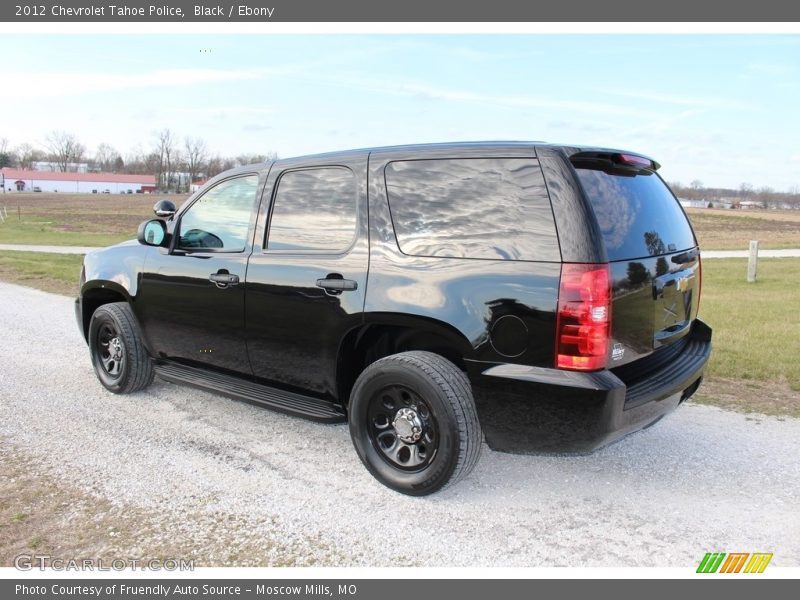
(24, 180)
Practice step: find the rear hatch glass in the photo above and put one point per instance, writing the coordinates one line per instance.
(637, 214)
(654, 262)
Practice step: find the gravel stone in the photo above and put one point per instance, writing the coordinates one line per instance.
(701, 480)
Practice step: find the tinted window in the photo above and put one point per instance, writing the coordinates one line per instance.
(314, 209)
(494, 208)
(219, 219)
(638, 215)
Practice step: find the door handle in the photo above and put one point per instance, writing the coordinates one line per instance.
(222, 279)
(335, 284)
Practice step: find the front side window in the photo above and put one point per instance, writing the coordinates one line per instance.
(220, 218)
(314, 210)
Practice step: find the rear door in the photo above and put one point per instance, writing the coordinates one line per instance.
(655, 261)
(307, 275)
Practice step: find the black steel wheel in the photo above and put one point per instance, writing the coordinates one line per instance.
(118, 355)
(413, 422)
(402, 428)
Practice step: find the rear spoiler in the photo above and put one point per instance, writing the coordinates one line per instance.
(614, 161)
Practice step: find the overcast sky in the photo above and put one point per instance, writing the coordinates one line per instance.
(719, 108)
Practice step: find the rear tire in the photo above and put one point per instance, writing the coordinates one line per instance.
(119, 358)
(413, 422)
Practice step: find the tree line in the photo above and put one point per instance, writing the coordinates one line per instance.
(765, 196)
(176, 162)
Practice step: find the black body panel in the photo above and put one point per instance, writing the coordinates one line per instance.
(525, 409)
(578, 234)
(212, 332)
(294, 326)
(500, 309)
(308, 320)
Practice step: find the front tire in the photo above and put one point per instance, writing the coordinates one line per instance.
(118, 355)
(413, 422)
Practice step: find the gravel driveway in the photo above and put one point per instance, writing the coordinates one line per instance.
(701, 480)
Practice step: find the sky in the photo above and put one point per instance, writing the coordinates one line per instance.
(722, 109)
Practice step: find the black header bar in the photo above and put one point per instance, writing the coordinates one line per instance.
(339, 11)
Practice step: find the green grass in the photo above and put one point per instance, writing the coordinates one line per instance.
(50, 272)
(35, 542)
(733, 230)
(39, 230)
(756, 325)
(74, 219)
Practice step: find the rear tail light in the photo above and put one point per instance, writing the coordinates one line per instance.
(584, 317)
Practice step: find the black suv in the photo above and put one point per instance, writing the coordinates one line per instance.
(542, 296)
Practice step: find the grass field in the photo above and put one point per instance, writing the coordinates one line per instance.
(756, 328)
(75, 219)
(754, 365)
(57, 273)
(719, 229)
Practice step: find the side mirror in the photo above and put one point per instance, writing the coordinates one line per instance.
(152, 233)
(164, 209)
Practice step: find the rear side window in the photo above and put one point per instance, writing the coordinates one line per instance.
(637, 214)
(493, 208)
(314, 210)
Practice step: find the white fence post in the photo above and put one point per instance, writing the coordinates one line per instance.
(752, 262)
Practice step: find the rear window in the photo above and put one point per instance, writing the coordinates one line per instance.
(492, 208)
(637, 214)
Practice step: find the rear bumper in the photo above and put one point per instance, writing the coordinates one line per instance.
(526, 409)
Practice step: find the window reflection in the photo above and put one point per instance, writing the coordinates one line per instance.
(637, 214)
(314, 209)
(220, 218)
(472, 208)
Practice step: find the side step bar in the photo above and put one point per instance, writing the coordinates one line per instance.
(291, 403)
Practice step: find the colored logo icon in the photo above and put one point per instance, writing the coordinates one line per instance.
(734, 562)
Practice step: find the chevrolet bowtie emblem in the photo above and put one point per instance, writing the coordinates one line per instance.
(670, 312)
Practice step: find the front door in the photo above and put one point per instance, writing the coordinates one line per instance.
(307, 275)
(191, 298)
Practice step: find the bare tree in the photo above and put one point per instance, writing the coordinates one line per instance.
(27, 155)
(766, 195)
(249, 159)
(164, 149)
(177, 171)
(196, 157)
(214, 166)
(135, 162)
(64, 149)
(106, 156)
(6, 157)
(150, 164)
